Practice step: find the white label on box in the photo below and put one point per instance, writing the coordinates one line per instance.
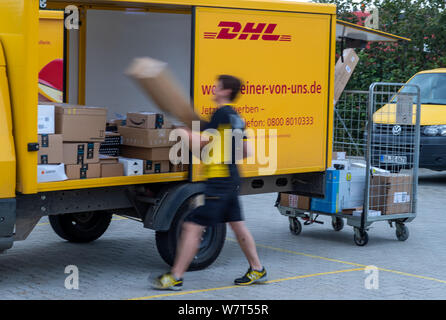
(401, 197)
(292, 199)
(45, 119)
(349, 70)
(51, 172)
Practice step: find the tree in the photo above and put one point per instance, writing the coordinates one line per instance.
(423, 21)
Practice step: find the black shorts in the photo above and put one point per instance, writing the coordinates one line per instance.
(221, 203)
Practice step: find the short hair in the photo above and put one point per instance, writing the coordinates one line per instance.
(230, 82)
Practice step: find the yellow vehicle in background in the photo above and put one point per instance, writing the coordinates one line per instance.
(387, 134)
(284, 51)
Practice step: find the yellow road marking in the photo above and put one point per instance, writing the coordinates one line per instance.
(234, 286)
(345, 262)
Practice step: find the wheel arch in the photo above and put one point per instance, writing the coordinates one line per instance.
(160, 217)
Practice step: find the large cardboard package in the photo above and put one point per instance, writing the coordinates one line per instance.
(145, 153)
(155, 80)
(50, 149)
(391, 193)
(80, 123)
(147, 120)
(83, 171)
(146, 138)
(80, 153)
(344, 70)
(295, 201)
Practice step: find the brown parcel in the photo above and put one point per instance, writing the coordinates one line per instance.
(147, 120)
(344, 70)
(294, 201)
(50, 149)
(145, 153)
(391, 193)
(80, 123)
(154, 78)
(80, 153)
(147, 138)
(156, 166)
(83, 171)
(110, 166)
(112, 170)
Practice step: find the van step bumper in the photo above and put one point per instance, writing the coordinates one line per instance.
(7, 222)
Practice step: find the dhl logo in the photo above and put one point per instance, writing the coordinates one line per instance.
(233, 30)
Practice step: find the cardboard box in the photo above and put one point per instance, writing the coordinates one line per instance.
(81, 123)
(83, 171)
(51, 172)
(391, 193)
(295, 201)
(343, 71)
(179, 167)
(147, 120)
(132, 167)
(45, 119)
(112, 170)
(145, 153)
(146, 138)
(151, 166)
(80, 153)
(50, 149)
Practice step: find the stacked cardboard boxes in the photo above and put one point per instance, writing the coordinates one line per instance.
(82, 129)
(50, 155)
(146, 137)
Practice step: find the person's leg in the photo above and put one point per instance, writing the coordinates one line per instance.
(247, 243)
(187, 248)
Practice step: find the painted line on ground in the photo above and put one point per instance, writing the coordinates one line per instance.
(234, 286)
(345, 262)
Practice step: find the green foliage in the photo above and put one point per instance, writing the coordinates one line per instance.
(423, 21)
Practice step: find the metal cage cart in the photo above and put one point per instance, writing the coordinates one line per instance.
(378, 131)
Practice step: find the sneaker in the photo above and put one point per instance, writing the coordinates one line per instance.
(168, 282)
(251, 276)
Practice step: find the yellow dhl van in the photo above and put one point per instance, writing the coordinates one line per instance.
(387, 134)
(284, 51)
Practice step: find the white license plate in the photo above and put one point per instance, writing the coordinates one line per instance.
(393, 159)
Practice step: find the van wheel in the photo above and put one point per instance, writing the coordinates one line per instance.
(81, 227)
(211, 244)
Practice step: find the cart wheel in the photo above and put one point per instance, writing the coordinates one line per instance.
(337, 224)
(402, 232)
(295, 226)
(361, 238)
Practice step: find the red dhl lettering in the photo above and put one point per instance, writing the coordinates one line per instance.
(252, 31)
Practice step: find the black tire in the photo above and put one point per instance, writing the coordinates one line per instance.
(337, 224)
(362, 239)
(295, 226)
(402, 232)
(212, 241)
(81, 227)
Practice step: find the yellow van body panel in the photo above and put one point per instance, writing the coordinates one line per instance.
(19, 27)
(7, 153)
(287, 86)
